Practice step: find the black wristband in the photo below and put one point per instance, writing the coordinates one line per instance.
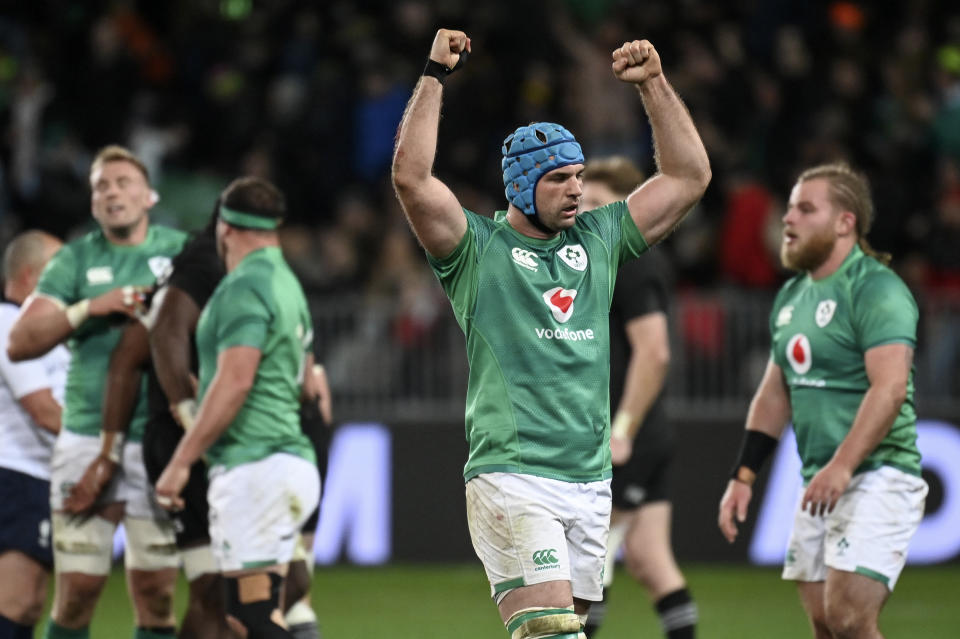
(436, 70)
(754, 450)
(440, 71)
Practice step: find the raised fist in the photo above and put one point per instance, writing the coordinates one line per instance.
(636, 62)
(447, 46)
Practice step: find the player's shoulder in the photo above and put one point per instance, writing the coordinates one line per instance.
(166, 236)
(790, 288)
(869, 276)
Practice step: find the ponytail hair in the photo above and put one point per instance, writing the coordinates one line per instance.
(850, 191)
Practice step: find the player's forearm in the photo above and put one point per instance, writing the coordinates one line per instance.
(221, 404)
(44, 410)
(875, 417)
(679, 150)
(171, 362)
(417, 139)
(645, 378)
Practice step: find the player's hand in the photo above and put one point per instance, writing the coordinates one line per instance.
(620, 449)
(170, 485)
(447, 46)
(733, 508)
(825, 489)
(636, 62)
(128, 300)
(85, 492)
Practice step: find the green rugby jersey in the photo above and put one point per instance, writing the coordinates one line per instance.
(821, 330)
(535, 316)
(260, 304)
(85, 268)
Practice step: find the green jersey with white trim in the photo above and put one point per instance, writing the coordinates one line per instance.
(821, 330)
(85, 268)
(261, 304)
(535, 316)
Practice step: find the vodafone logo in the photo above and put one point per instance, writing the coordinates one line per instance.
(560, 301)
(799, 354)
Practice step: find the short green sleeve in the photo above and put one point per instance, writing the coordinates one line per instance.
(884, 311)
(249, 316)
(59, 278)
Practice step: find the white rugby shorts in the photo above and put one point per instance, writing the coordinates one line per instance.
(258, 508)
(528, 530)
(85, 545)
(867, 533)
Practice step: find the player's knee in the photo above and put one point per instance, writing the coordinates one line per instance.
(253, 605)
(76, 597)
(845, 621)
(153, 593)
(24, 608)
(544, 623)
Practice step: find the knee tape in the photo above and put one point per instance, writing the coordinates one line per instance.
(540, 623)
(254, 601)
(151, 545)
(82, 545)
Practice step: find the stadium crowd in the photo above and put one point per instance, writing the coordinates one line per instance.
(310, 95)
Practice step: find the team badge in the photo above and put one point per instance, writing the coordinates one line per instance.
(799, 354)
(785, 316)
(526, 259)
(99, 275)
(560, 301)
(825, 311)
(160, 265)
(574, 256)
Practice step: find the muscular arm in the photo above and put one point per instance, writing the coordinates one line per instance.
(44, 410)
(647, 370)
(431, 208)
(888, 369)
(120, 394)
(769, 409)
(236, 370)
(683, 166)
(170, 343)
(769, 412)
(122, 389)
(43, 322)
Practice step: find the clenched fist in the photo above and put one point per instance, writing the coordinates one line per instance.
(636, 62)
(447, 46)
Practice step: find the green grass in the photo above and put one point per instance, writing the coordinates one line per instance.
(442, 601)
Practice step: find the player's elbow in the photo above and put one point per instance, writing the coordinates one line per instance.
(18, 345)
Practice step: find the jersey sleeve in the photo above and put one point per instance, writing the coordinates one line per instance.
(615, 226)
(59, 279)
(457, 272)
(641, 288)
(25, 377)
(884, 311)
(249, 320)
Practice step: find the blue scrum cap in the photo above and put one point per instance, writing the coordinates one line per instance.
(529, 153)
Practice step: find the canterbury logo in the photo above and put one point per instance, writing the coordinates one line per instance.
(545, 557)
